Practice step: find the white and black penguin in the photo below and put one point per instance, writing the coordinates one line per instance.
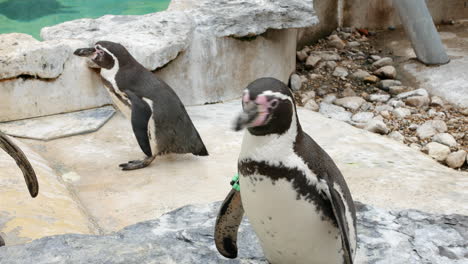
(295, 197)
(23, 163)
(159, 120)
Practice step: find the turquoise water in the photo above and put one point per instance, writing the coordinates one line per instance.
(29, 16)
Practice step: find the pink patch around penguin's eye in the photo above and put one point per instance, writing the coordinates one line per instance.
(261, 100)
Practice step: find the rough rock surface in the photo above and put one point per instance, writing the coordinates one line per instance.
(334, 111)
(157, 38)
(185, 235)
(437, 151)
(21, 54)
(352, 102)
(456, 159)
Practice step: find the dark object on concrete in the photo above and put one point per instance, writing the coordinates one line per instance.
(420, 29)
(185, 235)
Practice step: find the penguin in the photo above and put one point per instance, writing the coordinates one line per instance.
(23, 163)
(293, 194)
(159, 120)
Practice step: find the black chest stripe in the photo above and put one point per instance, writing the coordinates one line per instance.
(298, 180)
(112, 90)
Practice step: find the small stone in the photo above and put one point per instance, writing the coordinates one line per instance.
(336, 42)
(386, 72)
(307, 96)
(397, 89)
(311, 105)
(413, 127)
(312, 61)
(323, 90)
(371, 79)
(340, 72)
(344, 35)
(376, 126)
(430, 128)
(375, 57)
(301, 55)
(327, 55)
(396, 136)
(335, 112)
(456, 159)
(445, 138)
(386, 84)
(381, 108)
(401, 112)
(382, 62)
(437, 151)
(314, 76)
(417, 101)
(362, 117)
(348, 92)
(379, 98)
(385, 114)
(351, 102)
(329, 98)
(396, 103)
(360, 74)
(354, 44)
(415, 146)
(417, 92)
(366, 106)
(331, 65)
(296, 82)
(347, 29)
(437, 101)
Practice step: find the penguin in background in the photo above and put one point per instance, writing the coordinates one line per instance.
(23, 163)
(159, 120)
(294, 195)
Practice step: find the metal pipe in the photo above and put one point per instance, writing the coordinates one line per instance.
(421, 31)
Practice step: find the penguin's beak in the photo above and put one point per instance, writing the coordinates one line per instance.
(85, 52)
(246, 117)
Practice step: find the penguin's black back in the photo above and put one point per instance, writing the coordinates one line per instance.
(175, 132)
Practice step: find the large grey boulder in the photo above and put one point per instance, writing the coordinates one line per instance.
(185, 235)
(21, 54)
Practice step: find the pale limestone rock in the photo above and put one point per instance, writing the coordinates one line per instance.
(386, 84)
(396, 136)
(360, 74)
(340, 72)
(21, 54)
(430, 128)
(336, 42)
(386, 72)
(437, 101)
(437, 151)
(296, 82)
(382, 62)
(401, 112)
(348, 92)
(311, 105)
(417, 92)
(396, 103)
(371, 79)
(362, 117)
(312, 61)
(456, 159)
(417, 101)
(334, 112)
(379, 98)
(396, 89)
(307, 96)
(352, 102)
(445, 138)
(329, 98)
(301, 55)
(377, 126)
(327, 55)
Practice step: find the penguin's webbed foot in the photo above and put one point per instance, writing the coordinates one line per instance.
(137, 164)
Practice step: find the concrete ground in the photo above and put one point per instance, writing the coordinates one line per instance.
(379, 171)
(449, 81)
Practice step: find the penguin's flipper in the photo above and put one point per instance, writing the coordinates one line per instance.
(339, 211)
(23, 163)
(2, 242)
(227, 224)
(141, 114)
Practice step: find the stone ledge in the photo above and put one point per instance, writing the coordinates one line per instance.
(185, 235)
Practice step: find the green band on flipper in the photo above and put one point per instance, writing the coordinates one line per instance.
(235, 182)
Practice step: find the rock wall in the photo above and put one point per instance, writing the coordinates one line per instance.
(185, 235)
(44, 78)
(380, 14)
(208, 51)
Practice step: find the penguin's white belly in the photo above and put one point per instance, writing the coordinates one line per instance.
(109, 75)
(291, 231)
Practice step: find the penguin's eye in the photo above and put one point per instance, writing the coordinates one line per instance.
(274, 103)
